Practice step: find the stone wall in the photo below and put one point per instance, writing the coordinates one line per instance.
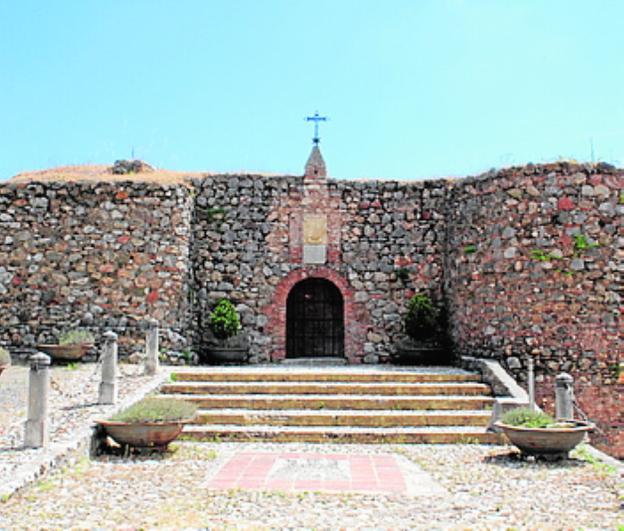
(247, 247)
(392, 245)
(97, 256)
(534, 268)
(527, 261)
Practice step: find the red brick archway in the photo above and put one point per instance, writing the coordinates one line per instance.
(356, 318)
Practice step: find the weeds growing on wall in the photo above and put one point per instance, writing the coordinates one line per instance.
(581, 243)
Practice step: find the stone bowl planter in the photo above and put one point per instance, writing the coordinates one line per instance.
(421, 356)
(553, 442)
(143, 434)
(70, 352)
(421, 352)
(218, 355)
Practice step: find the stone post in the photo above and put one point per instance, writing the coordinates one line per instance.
(108, 385)
(151, 347)
(37, 425)
(531, 384)
(564, 396)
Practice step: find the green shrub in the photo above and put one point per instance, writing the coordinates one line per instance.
(5, 357)
(224, 320)
(421, 318)
(72, 337)
(153, 409)
(527, 418)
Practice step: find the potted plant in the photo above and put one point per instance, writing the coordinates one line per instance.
(536, 433)
(151, 422)
(225, 342)
(5, 359)
(72, 345)
(424, 331)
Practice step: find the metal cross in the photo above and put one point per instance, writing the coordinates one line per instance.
(316, 119)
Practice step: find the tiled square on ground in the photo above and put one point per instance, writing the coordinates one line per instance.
(382, 473)
(314, 468)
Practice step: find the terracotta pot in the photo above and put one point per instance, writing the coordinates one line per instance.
(546, 441)
(71, 352)
(143, 434)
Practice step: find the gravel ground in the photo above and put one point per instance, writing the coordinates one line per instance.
(488, 487)
(72, 406)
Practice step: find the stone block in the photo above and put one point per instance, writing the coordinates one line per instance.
(314, 254)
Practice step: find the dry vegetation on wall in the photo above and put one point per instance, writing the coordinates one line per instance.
(107, 174)
(102, 173)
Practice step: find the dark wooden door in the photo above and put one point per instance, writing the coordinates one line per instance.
(315, 320)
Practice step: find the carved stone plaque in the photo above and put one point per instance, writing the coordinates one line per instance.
(315, 229)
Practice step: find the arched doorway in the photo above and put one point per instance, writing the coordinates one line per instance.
(314, 320)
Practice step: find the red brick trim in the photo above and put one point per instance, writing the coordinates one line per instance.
(356, 317)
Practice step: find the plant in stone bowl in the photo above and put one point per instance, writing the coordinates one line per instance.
(226, 343)
(224, 320)
(536, 433)
(72, 345)
(5, 359)
(76, 337)
(423, 327)
(152, 422)
(421, 318)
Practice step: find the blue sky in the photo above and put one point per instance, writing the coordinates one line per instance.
(413, 88)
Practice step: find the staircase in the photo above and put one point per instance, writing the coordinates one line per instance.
(335, 404)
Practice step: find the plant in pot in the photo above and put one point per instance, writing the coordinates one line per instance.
(152, 422)
(536, 433)
(5, 359)
(423, 327)
(72, 345)
(225, 342)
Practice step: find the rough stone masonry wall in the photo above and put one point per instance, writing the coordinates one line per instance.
(94, 255)
(245, 247)
(388, 227)
(534, 268)
(529, 261)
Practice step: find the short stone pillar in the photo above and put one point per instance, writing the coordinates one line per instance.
(37, 425)
(151, 347)
(108, 385)
(564, 396)
(531, 383)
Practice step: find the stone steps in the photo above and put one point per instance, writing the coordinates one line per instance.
(229, 374)
(343, 417)
(341, 434)
(378, 402)
(335, 404)
(328, 388)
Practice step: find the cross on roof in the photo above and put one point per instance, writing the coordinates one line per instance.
(316, 119)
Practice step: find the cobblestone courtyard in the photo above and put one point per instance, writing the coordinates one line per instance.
(470, 487)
